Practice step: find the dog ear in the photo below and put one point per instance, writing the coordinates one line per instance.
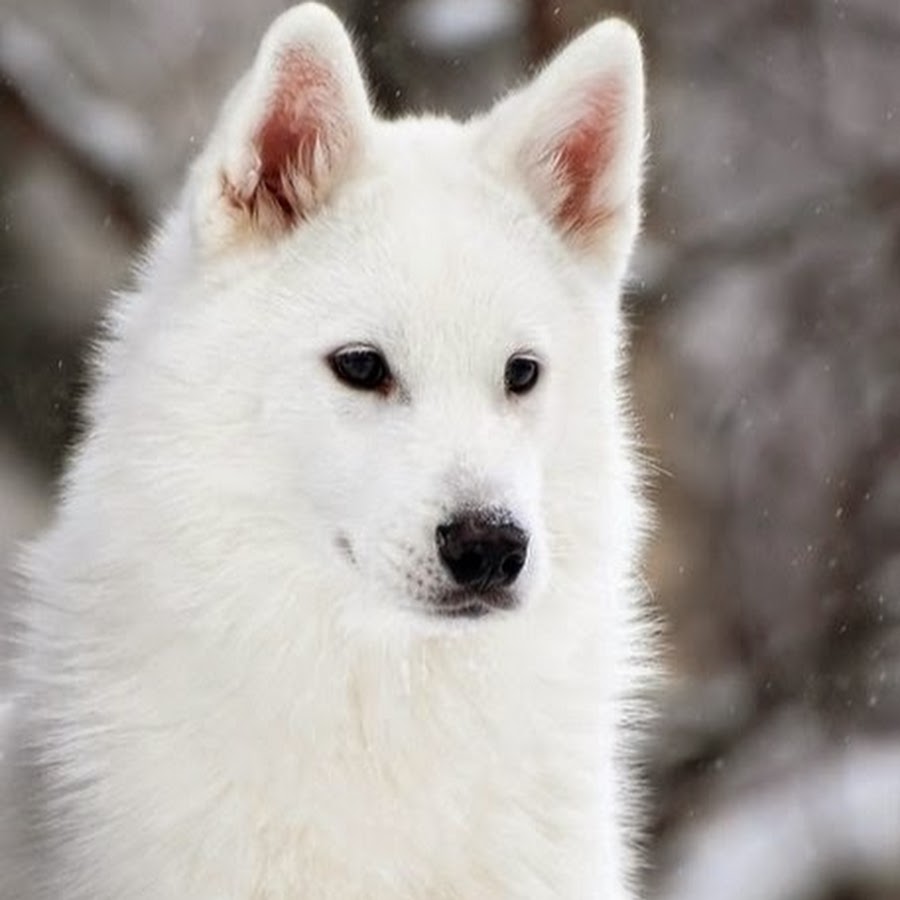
(292, 128)
(574, 137)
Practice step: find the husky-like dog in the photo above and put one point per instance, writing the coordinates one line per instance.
(337, 603)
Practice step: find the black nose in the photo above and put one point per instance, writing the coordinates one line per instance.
(482, 552)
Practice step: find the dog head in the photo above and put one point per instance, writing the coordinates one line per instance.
(390, 348)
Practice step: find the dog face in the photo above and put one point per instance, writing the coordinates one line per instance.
(408, 329)
(413, 410)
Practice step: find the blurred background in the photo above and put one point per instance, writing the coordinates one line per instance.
(765, 302)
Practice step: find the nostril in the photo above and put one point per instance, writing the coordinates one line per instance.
(513, 564)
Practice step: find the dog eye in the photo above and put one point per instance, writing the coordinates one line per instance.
(363, 368)
(522, 373)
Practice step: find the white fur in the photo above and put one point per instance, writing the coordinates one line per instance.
(219, 699)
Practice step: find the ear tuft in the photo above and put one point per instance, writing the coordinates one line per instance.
(299, 144)
(574, 138)
(291, 130)
(585, 148)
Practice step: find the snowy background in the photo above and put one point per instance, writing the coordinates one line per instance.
(766, 306)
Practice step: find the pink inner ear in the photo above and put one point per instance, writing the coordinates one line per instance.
(583, 157)
(298, 141)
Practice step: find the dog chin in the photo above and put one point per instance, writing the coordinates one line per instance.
(461, 604)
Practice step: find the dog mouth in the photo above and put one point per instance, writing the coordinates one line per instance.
(470, 605)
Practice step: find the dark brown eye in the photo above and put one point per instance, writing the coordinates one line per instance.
(363, 368)
(522, 373)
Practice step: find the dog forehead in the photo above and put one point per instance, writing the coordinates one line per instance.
(457, 273)
(426, 243)
(454, 233)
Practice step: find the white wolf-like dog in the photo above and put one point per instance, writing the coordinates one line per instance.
(337, 603)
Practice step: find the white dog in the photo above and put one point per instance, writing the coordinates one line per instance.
(337, 604)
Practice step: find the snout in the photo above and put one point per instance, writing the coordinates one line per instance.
(484, 552)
